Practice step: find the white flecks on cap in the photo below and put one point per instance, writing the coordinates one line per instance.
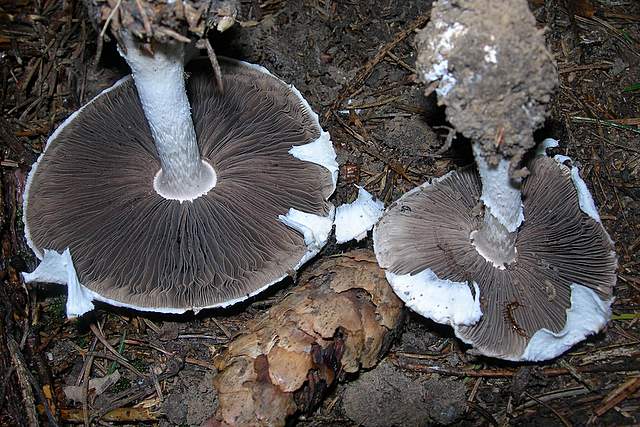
(442, 46)
(443, 301)
(354, 219)
(587, 315)
(498, 194)
(491, 55)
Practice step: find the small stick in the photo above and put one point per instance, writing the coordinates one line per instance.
(120, 415)
(109, 18)
(618, 395)
(223, 328)
(145, 20)
(117, 356)
(23, 380)
(562, 419)
(217, 73)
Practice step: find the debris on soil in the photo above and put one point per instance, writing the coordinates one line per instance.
(162, 21)
(342, 55)
(192, 399)
(96, 387)
(425, 399)
(341, 320)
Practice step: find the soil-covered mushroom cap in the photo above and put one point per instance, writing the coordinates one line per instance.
(495, 75)
(557, 291)
(92, 192)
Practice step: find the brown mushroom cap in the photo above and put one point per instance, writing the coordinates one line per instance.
(557, 246)
(93, 192)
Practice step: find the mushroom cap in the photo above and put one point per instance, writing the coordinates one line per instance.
(556, 292)
(92, 192)
(495, 74)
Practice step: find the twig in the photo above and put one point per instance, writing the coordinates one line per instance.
(124, 363)
(483, 413)
(156, 383)
(217, 73)
(508, 373)
(575, 374)
(85, 390)
(608, 123)
(562, 419)
(599, 66)
(108, 20)
(377, 103)
(120, 415)
(174, 35)
(28, 382)
(109, 347)
(223, 328)
(23, 380)
(143, 389)
(401, 63)
(200, 363)
(145, 20)
(618, 395)
(553, 395)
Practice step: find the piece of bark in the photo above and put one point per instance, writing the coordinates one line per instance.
(340, 320)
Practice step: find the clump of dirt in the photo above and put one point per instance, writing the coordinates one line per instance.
(411, 137)
(191, 400)
(496, 75)
(420, 400)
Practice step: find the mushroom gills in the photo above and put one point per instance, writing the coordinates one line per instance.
(563, 256)
(91, 192)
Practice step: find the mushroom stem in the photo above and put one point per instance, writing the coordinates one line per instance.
(495, 238)
(159, 79)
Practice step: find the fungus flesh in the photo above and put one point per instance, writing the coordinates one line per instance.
(520, 251)
(94, 209)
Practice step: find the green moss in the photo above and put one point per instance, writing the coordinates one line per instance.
(122, 385)
(57, 307)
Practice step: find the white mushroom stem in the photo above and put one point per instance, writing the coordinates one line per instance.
(502, 198)
(159, 79)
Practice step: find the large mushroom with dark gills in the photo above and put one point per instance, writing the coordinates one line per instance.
(512, 255)
(165, 194)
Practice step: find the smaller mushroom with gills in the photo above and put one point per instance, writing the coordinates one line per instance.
(169, 195)
(516, 260)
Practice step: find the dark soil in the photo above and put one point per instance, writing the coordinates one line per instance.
(354, 61)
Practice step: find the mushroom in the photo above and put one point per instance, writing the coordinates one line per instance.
(168, 197)
(516, 260)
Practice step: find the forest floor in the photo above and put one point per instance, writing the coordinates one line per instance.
(353, 60)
